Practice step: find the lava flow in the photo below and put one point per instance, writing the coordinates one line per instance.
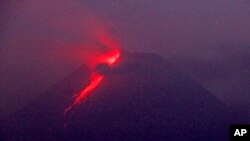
(108, 58)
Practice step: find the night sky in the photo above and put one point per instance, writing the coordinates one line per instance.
(209, 40)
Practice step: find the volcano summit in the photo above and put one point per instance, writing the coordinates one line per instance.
(143, 97)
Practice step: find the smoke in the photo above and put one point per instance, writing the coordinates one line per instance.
(108, 58)
(45, 40)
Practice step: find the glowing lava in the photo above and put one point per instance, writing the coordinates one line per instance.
(109, 58)
(95, 80)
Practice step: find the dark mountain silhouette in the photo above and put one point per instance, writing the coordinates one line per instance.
(143, 97)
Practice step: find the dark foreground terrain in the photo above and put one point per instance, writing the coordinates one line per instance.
(142, 98)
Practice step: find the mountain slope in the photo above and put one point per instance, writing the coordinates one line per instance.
(142, 98)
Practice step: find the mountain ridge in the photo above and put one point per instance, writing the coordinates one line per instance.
(142, 98)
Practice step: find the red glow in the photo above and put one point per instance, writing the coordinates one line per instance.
(95, 80)
(110, 57)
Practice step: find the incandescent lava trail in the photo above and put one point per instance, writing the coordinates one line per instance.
(109, 58)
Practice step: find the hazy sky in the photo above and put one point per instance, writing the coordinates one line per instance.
(209, 39)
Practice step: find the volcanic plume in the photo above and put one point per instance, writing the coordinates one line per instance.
(108, 58)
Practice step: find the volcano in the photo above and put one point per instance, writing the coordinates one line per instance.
(143, 97)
